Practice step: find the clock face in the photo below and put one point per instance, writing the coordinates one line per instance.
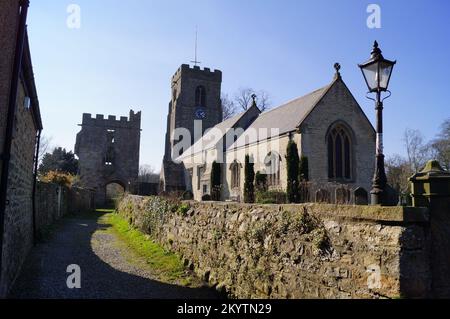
(200, 114)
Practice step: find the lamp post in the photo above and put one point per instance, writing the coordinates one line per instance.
(377, 74)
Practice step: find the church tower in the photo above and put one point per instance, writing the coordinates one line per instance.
(195, 98)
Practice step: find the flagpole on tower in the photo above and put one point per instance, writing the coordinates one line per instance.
(196, 44)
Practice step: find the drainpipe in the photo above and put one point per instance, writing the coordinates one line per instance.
(36, 162)
(6, 152)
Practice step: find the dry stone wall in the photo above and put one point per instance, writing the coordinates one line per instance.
(294, 251)
(54, 201)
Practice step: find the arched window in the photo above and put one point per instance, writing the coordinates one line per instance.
(235, 168)
(339, 153)
(272, 163)
(200, 96)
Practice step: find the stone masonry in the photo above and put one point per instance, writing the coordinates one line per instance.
(295, 251)
(18, 218)
(185, 108)
(108, 151)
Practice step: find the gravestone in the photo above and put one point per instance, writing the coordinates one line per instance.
(322, 196)
(361, 196)
(342, 196)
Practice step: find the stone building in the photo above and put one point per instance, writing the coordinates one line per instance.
(195, 107)
(18, 103)
(328, 126)
(108, 152)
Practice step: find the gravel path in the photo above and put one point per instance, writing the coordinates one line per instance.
(106, 268)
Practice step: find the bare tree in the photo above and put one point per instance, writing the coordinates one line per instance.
(147, 174)
(440, 146)
(243, 99)
(416, 150)
(398, 171)
(228, 107)
(44, 147)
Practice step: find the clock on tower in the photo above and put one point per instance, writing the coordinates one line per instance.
(200, 113)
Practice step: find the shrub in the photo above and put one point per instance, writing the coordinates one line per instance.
(183, 209)
(187, 195)
(206, 198)
(249, 187)
(304, 169)
(293, 165)
(215, 181)
(271, 197)
(60, 178)
(172, 195)
(305, 223)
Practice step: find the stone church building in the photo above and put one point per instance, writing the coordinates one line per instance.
(328, 125)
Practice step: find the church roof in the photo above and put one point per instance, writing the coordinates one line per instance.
(283, 119)
(206, 142)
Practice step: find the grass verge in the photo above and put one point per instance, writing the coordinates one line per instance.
(166, 265)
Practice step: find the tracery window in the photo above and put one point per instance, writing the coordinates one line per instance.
(272, 163)
(339, 153)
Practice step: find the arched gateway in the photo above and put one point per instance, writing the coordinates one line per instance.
(108, 151)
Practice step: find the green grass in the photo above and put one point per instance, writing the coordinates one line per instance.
(166, 265)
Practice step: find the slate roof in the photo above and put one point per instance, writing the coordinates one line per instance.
(285, 118)
(205, 142)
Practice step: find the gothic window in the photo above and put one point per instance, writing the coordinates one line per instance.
(339, 146)
(111, 136)
(272, 163)
(200, 96)
(235, 174)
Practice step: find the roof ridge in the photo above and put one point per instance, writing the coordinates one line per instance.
(325, 91)
(224, 131)
(298, 98)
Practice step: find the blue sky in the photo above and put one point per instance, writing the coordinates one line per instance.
(125, 53)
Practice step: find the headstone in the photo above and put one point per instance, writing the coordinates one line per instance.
(322, 196)
(361, 196)
(342, 196)
(304, 192)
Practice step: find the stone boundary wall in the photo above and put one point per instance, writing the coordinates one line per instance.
(54, 201)
(294, 251)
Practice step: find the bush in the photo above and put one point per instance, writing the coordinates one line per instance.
(249, 187)
(304, 169)
(183, 209)
(293, 166)
(206, 198)
(187, 195)
(60, 178)
(271, 197)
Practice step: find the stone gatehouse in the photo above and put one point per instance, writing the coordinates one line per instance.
(108, 151)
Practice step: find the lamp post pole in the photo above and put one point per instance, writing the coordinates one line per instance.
(379, 180)
(377, 74)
